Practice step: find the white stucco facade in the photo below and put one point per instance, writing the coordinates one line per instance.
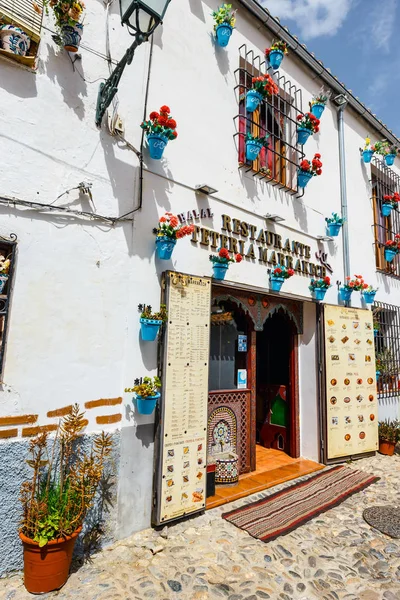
(74, 332)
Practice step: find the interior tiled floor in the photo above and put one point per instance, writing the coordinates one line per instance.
(272, 468)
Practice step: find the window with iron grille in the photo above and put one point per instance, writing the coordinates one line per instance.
(387, 348)
(384, 183)
(275, 118)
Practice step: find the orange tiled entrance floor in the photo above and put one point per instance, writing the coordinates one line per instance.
(272, 468)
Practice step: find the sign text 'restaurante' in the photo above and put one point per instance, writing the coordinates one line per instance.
(267, 246)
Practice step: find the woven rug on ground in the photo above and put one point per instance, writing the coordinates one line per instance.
(286, 510)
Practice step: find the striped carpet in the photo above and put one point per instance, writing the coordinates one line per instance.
(286, 510)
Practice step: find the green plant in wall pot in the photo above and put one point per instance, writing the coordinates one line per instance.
(389, 435)
(387, 150)
(147, 393)
(56, 499)
(68, 15)
(334, 224)
(254, 144)
(150, 322)
(225, 19)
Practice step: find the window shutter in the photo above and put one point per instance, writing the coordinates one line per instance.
(22, 13)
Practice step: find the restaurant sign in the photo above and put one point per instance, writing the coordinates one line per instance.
(268, 247)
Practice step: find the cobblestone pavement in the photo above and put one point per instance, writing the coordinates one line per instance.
(335, 556)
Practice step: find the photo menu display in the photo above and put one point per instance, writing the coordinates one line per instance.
(185, 398)
(351, 395)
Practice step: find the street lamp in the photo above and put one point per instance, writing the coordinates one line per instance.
(141, 17)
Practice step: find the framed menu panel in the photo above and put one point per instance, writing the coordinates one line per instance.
(182, 443)
(351, 396)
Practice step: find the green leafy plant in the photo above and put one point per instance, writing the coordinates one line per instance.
(66, 12)
(224, 16)
(145, 387)
(64, 482)
(279, 45)
(322, 284)
(264, 141)
(146, 312)
(383, 148)
(335, 219)
(321, 98)
(389, 431)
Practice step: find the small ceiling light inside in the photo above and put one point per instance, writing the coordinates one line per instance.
(205, 189)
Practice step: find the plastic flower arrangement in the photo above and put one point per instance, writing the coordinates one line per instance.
(320, 284)
(224, 15)
(394, 244)
(369, 289)
(263, 141)
(66, 12)
(392, 200)
(367, 145)
(169, 227)
(4, 265)
(357, 284)
(321, 98)
(223, 257)
(335, 219)
(383, 148)
(161, 123)
(314, 168)
(308, 121)
(283, 272)
(145, 387)
(265, 85)
(277, 46)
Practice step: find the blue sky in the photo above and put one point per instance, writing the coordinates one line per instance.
(356, 40)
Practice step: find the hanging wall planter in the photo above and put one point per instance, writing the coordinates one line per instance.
(303, 178)
(387, 150)
(345, 294)
(147, 393)
(318, 103)
(68, 15)
(225, 19)
(146, 405)
(276, 283)
(14, 40)
(160, 129)
(318, 287)
(390, 254)
(168, 232)
(334, 224)
(150, 322)
(390, 202)
(369, 295)
(308, 170)
(263, 86)
(276, 53)
(254, 145)
(392, 248)
(278, 276)
(307, 124)
(71, 36)
(386, 209)
(221, 263)
(389, 159)
(367, 155)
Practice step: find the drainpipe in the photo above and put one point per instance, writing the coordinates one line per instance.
(341, 103)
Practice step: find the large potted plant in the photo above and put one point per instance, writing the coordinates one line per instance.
(4, 268)
(278, 276)
(318, 102)
(150, 322)
(225, 19)
(392, 248)
(275, 53)
(350, 286)
(306, 125)
(168, 232)
(147, 394)
(68, 15)
(318, 287)
(308, 170)
(254, 145)
(56, 500)
(221, 262)
(334, 224)
(387, 150)
(389, 435)
(160, 129)
(263, 86)
(389, 203)
(367, 151)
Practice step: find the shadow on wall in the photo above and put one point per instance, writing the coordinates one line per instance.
(197, 9)
(18, 82)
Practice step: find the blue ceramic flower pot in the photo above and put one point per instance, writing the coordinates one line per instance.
(375, 333)
(317, 110)
(334, 229)
(369, 297)
(146, 406)
(275, 58)
(319, 294)
(252, 150)
(219, 270)
(303, 177)
(367, 155)
(302, 135)
(164, 247)
(389, 159)
(386, 210)
(345, 294)
(157, 143)
(276, 283)
(253, 99)
(3, 281)
(223, 34)
(149, 329)
(390, 254)
(72, 36)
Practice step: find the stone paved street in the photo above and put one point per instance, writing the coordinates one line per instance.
(336, 556)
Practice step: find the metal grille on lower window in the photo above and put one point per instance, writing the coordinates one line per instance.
(8, 248)
(387, 348)
(385, 182)
(275, 118)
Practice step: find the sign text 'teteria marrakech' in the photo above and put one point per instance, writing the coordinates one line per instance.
(269, 246)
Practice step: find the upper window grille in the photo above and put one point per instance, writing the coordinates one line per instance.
(8, 247)
(22, 14)
(275, 118)
(387, 348)
(384, 183)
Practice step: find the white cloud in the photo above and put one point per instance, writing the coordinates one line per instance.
(383, 24)
(313, 17)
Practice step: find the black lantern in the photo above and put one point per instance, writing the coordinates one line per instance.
(142, 17)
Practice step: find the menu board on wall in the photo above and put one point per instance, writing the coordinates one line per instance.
(351, 396)
(182, 466)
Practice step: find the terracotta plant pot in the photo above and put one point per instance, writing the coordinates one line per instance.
(387, 447)
(46, 569)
